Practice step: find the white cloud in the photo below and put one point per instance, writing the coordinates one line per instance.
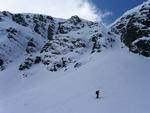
(106, 13)
(56, 8)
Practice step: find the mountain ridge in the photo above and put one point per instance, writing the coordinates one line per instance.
(41, 38)
(28, 34)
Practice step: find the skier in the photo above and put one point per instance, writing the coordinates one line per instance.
(97, 94)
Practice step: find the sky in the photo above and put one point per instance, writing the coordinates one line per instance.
(94, 10)
(116, 7)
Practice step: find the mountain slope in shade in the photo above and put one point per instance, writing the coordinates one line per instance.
(134, 28)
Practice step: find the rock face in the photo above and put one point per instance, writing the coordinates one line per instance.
(54, 43)
(58, 43)
(134, 28)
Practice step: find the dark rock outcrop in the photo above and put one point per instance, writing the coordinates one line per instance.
(133, 27)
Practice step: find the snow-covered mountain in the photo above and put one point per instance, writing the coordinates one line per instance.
(51, 65)
(50, 41)
(134, 28)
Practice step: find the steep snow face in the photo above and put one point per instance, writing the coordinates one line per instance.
(52, 42)
(134, 28)
(18, 37)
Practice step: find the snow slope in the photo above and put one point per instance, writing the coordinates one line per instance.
(122, 77)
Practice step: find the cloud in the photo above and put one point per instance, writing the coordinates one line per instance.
(106, 14)
(56, 8)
